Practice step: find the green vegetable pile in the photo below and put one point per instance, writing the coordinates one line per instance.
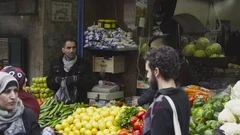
(124, 118)
(204, 117)
(52, 112)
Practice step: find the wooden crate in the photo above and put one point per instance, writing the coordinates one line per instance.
(114, 64)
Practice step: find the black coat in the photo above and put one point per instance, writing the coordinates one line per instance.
(82, 69)
(159, 117)
(30, 123)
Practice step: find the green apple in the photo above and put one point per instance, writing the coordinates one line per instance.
(42, 90)
(40, 79)
(37, 95)
(33, 79)
(45, 85)
(44, 79)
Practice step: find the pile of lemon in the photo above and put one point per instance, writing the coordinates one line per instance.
(91, 121)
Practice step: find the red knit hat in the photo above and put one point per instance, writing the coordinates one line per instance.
(17, 73)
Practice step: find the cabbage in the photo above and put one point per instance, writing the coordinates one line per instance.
(209, 51)
(235, 91)
(202, 43)
(199, 53)
(231, 103)
(217, 48)
(226, 116)
(236, 111)
(230, 128)
(221, 55)
(214, 55)
(189, 50)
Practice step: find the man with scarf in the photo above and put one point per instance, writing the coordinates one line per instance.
(15, 119)
(75, 70)
(162, 67)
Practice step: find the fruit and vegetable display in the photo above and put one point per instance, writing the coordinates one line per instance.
(131, 121)
(234, 66)
(39, 88)
(203, 48)
(210, 112)
(92, 121)
(204, 114)
(229, 117)
(52, 112)
(194, 91)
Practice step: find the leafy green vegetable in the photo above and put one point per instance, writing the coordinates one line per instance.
(124, 118)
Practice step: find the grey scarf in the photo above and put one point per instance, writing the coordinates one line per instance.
(14, 118)
(68, 64)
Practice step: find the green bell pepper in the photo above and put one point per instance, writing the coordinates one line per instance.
(218, 106)
(208, 132)
(198, 111)
(191, 123)
(211, 100)
(207, 106)
(191, 131)
(198, 120)
(212, 124)
(198, 102)
(215, 115)
(208, 114)
(201, 128)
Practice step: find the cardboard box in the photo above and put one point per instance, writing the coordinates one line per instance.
(114, 64)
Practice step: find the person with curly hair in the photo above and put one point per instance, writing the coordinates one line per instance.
(162, 66)
(184, 78)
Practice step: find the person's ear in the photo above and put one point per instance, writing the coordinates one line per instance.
(156, 72)
(63, 50)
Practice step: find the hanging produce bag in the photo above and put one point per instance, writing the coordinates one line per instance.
(62, 95)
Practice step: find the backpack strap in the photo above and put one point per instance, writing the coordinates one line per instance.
(176, 124)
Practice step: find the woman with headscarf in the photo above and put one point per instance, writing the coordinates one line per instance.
(28, 100)
(15, 119)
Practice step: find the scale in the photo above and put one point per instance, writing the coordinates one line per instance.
(105, 86)
(104, 91)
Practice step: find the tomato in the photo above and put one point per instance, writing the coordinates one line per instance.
(137, 125)
(131, 130)
(140, 114)
(143, 117)
(191, 99)
(136, 132)
(123, 132)
(133, 120)
(141, 128)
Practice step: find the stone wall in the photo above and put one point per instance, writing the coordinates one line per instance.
(54, 32)
(30, 28)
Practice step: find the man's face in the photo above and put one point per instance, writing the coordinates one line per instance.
(151, 77)
(69, 50)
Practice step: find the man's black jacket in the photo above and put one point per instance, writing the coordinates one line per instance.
(82, 69)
